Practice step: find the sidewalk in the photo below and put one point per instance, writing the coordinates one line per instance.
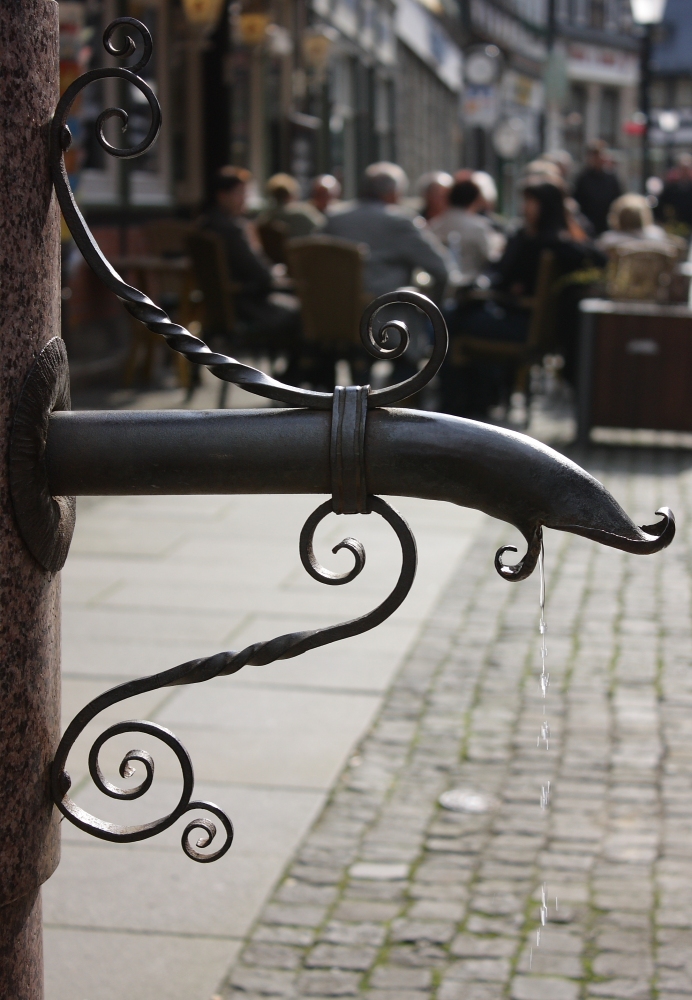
(152, 582)
(393, 898)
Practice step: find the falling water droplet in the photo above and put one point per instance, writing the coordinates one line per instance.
(545, 734)
(538, 938)
(545, 796)
(530, 958)
(544, 906)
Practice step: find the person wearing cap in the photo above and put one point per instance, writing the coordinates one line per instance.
(299, 217)
(597, 186)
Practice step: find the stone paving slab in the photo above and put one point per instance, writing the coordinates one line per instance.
(391, 896)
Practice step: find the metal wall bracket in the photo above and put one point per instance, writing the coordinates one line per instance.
(46, 523)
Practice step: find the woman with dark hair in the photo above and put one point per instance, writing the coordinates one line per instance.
(472, 388)
(545, 228)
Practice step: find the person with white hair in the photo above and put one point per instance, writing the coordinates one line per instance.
(630, 219)
(398, 245)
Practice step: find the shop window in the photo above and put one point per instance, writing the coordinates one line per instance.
(101, 179)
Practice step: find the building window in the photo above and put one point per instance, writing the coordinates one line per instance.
(659, 94)
(609, 115)
(579, 13)
(684, 94)
(597, 14)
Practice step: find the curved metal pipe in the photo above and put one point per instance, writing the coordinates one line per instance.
(407, 452)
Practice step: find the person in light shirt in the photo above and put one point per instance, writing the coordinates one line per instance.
(465, 230)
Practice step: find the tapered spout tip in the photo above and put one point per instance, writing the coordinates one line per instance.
(650, 538)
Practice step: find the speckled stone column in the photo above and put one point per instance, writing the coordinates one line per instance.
(29, 596)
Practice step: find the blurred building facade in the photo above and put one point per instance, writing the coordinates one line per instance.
(600, 46)
(671, 91)
(304, 86)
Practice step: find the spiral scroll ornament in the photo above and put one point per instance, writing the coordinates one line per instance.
(196, 671)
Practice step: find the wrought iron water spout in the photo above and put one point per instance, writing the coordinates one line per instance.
(345, 443)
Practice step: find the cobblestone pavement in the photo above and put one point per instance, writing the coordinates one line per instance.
(394, 898)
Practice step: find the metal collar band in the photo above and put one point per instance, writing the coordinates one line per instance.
(347, 450)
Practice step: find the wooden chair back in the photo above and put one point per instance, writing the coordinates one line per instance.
(641, 271)
(212, 278)
(328, 276)
(273, 237)
(542, 330)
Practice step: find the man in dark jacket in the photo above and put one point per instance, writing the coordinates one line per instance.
(597, 187)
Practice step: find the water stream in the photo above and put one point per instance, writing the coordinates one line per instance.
(543, 739)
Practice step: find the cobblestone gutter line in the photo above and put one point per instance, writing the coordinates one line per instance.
(393, 898)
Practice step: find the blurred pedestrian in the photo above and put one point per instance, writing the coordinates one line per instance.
(300, 218)
(563, 161)
(325, 192)
(463, 228)
(397, 245)
(434, 188)
(675, 202)
(597, 186)
(277, 324)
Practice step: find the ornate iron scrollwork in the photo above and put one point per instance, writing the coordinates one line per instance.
(387, 340)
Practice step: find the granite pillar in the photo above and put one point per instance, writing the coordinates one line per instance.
(29, 595)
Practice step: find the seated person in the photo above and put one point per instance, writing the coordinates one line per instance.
(277, 323)
(463, 228)
(434, 189)
(545, 228)
(515, 276)
(301, 218)
(397, 244)
(630, 219)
